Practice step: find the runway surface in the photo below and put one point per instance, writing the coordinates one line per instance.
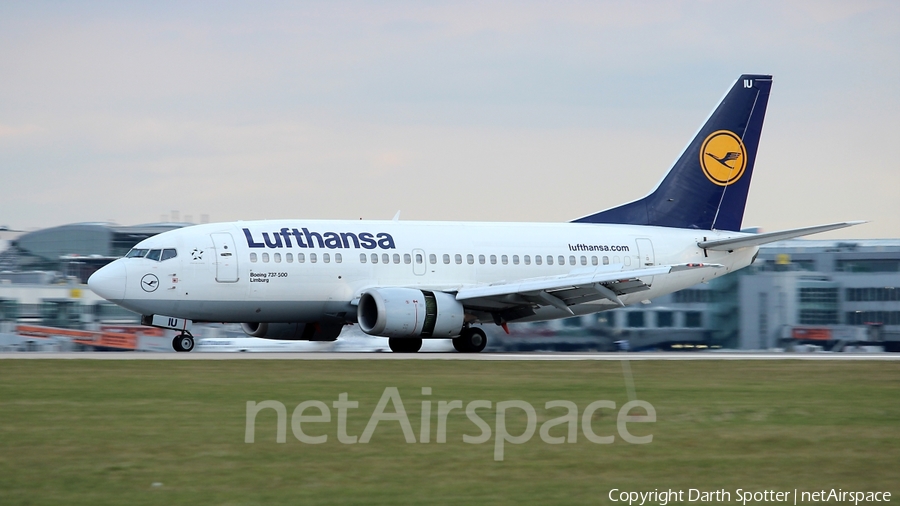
(449, 356)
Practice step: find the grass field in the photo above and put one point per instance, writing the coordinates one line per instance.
(173, 432)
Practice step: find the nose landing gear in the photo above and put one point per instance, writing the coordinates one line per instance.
(183, 342)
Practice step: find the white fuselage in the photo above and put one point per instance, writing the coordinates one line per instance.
(304, 270)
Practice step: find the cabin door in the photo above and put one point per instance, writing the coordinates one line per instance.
(646, 257)
(645, 252)
(226, 258)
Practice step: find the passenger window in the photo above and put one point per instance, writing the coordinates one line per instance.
(504, 259)
(396, 258)
(605, 260)
(515, 259)
(137, 253)
(481, 259)
(527, 259)
(301, 258)
(167, 254)
(253, 257)
(374, 258)
(549, 260)
(432, 258)
(265, 258)
(362, 258)
(594, 260)
(154, 254)
(446, 258)
(615, 260)
(407, 259)
(385, 258)
(277, 258)
(289, 257)
(493, 259)
(419, 259)
(537, 260)
(572, 260)
(562, 260)
(470, 259)
(326, 258)
(312, 258)
(337, 258)
(627, 260)
(458, 259)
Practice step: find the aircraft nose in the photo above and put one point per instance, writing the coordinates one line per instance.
(109, 282)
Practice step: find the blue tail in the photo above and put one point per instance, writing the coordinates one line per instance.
(707, 187)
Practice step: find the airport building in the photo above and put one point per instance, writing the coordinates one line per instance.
(43, 273)
(835, 294)
(74, 250)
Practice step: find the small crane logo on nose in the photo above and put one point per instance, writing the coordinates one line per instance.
(149, 283)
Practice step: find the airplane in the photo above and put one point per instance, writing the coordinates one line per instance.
(408, 281)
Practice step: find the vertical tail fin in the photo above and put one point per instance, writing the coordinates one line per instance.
(708, 185)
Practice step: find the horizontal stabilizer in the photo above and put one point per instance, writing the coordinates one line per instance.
(759, 239)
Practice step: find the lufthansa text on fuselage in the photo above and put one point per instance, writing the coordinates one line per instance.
(303, 238)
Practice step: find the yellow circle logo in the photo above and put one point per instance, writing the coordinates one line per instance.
(723, 157)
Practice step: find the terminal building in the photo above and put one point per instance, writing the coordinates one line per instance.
(835, 294)
(43, 273)
(74, 250)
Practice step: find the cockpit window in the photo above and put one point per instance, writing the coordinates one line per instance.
(153, 254)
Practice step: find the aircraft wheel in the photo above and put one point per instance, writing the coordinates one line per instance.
(472, 340)
(405, 345)
(183, 342)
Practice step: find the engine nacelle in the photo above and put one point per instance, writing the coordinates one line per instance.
(407, 312)
(293, 331)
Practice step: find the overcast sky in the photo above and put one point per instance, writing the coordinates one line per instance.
(489, 111)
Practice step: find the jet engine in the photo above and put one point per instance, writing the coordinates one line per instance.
(407, 312)
(294, 331)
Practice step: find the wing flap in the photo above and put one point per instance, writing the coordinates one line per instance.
(564, 291)
(555, 283)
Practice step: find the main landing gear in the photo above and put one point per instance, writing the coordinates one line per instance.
(405, 345)
(471, 340)
(183, 342)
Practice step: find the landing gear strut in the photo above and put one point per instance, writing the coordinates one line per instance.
(183, 342)
(471, 340)
(404, 345)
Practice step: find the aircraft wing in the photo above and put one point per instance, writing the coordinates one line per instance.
(759, 239)
(516, 299)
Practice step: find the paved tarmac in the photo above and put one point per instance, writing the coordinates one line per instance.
(450, 356)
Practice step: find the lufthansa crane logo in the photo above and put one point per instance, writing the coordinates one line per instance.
(149, 283)
(723, 157)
